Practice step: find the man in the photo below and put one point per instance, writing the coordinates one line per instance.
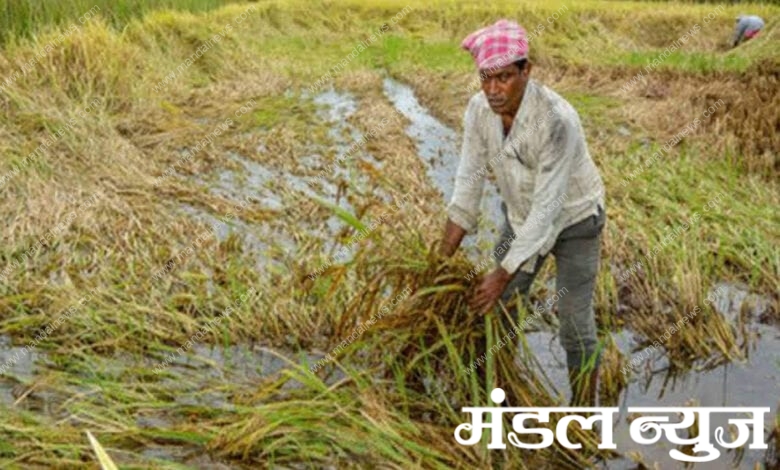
(553, 196)
(747, 27)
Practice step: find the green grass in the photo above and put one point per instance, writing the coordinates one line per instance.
(593, 109)
(24, 18)
(406, 52)
(690, 62)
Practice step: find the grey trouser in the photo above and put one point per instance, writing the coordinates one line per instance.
(576, 254)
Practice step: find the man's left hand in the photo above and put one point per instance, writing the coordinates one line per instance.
(490, 290)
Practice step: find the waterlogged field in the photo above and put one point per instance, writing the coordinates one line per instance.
(219, 223)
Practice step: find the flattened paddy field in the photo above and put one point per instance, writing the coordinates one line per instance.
(206, 213)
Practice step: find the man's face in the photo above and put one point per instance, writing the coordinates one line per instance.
(504, 87)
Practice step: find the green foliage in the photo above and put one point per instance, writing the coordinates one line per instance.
(24, 18)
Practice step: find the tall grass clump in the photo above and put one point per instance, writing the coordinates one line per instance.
(24, 18)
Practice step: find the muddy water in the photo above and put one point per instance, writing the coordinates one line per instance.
(437, 144)
(735, 296)
(255, 186)
(20, 368)
(439, 148)
(754, 383)
(269, 185)
(336, 108)
(198, 379)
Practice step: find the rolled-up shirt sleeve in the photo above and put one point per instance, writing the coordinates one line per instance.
(463, 209)
(553, 170)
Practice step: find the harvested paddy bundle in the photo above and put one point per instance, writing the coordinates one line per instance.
(397, 375)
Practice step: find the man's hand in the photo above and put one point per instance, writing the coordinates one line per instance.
(490, 290)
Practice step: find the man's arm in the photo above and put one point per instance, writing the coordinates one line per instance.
(463, 210)
(453, 235)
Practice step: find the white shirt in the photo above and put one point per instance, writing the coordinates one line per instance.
(542, 169)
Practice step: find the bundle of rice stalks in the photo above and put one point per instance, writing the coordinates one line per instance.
(434, 335)
(395, 393)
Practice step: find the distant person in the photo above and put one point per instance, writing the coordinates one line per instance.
(748, 27)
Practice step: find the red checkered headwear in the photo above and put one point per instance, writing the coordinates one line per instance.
(497, 45)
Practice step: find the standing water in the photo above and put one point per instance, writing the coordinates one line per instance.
(310, 176)
(438, 147)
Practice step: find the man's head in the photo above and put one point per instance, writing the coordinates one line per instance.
(504, 87)
(500, 52)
